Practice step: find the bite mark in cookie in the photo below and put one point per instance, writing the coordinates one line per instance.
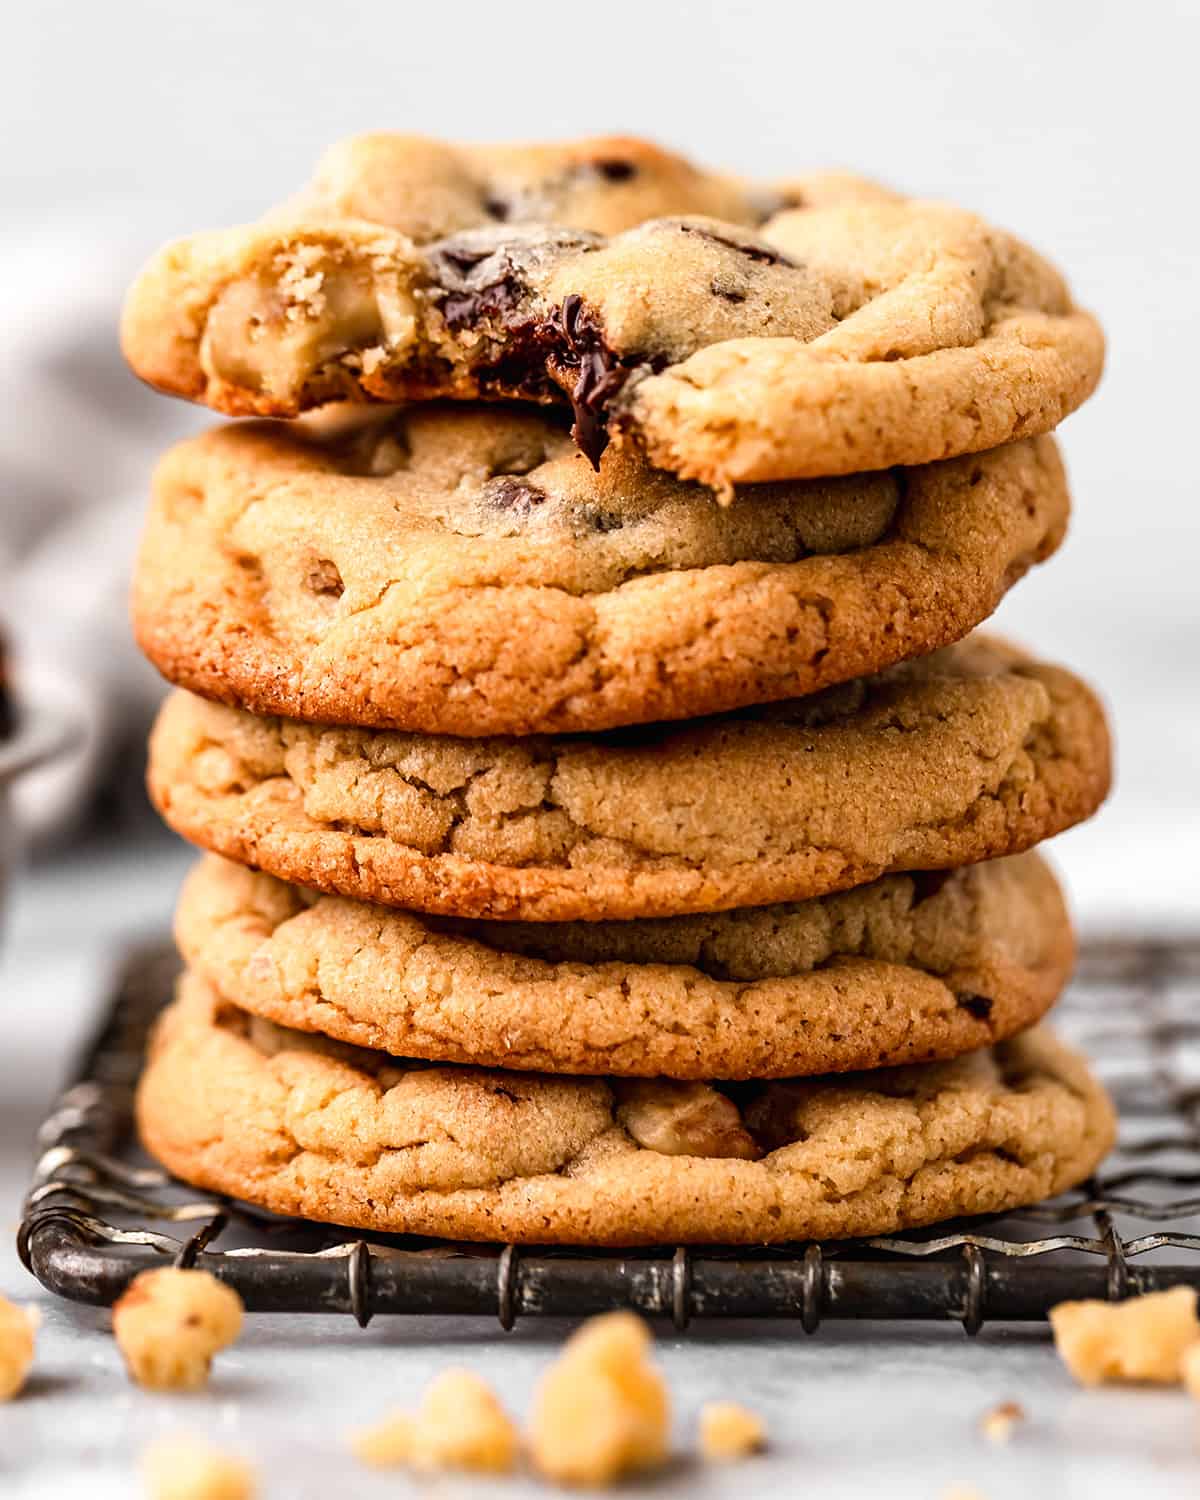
(728, 354)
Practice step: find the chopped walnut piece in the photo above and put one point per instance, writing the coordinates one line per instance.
(998, 1424)
(18, 1330)
(1141, 1339)
(458, 1425)
(601, 1410)
(183, 1468)
(683, 1119)
(728, 1430)
(170, 1323)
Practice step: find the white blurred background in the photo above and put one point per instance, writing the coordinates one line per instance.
(1076, 125)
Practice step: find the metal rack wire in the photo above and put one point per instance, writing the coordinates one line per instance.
(95, 1215)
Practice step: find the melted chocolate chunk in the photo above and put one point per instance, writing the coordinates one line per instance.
(463, 309)
(507, 493)
(481, 279)
(927, 883)
(484, 277)
(497, 208)
(977, 1005)
(759, 253)
(600, 377)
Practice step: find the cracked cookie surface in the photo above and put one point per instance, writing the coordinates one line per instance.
(301, 1125)
(464, 571)
(853, 332)
(903, 970)
(972, 752)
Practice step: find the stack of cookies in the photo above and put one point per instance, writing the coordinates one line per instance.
(616, 833)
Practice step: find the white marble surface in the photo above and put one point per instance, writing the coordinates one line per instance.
(853, 1411)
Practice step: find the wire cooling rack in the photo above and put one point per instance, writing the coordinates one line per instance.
(96, 1214)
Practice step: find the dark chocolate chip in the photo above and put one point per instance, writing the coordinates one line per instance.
(759, 253)
(977, 1005)
(927, 883)
(497, 208)
(464, 309)
(615, 170)
(511, 494)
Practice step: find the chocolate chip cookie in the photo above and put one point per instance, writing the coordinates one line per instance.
(969, 753)
(856, 334)
(461, 570)
(301, 1125)
(906, 969)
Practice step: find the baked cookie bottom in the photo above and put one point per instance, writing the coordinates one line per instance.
(460, 570)
(968, 754)
(907, 969)
(299, 1125)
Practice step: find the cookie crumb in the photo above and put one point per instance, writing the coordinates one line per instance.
(1189, 1369)
(169, 1323)
(458, 1425)
(184, 1468)
(999, 1424)
(728, 1430)
(1141, 1339)
(388, 1444)
(18, 1332)
(601, 1410)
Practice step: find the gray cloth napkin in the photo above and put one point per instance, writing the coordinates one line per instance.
(79, 437)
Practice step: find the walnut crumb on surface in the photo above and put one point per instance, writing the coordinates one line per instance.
(601, 1410)
(1189, 1370)
(1142, 1339)
(458, 1425)
(999, 1424)
(18, 1332)
(728, 1430)
(184, 1468)
(170, 1322)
